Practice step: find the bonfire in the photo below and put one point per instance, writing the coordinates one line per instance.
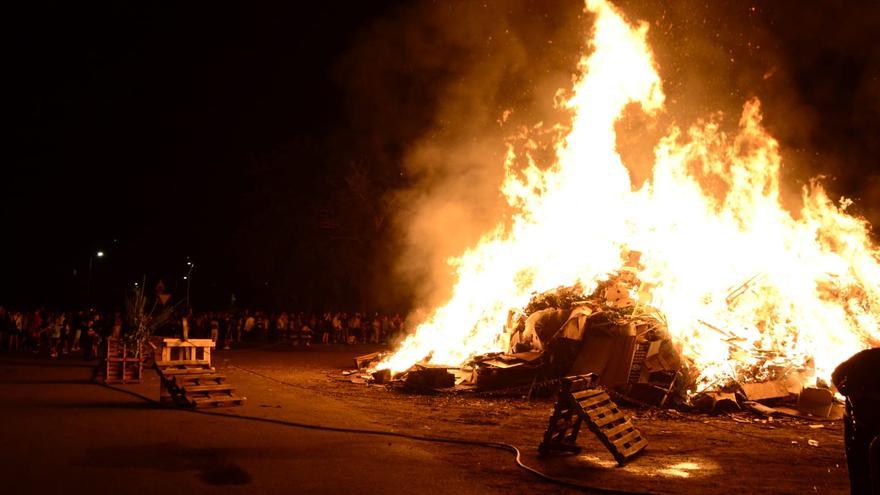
(702, 262)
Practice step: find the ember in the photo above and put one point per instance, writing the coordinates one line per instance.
(668, 291)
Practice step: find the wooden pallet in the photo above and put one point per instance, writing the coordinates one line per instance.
(195, 384)
(189, 380)
(579, 403)
(121, 365)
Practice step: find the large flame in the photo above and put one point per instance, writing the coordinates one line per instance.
(721, 257)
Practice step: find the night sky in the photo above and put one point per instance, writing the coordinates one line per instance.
(263, 141)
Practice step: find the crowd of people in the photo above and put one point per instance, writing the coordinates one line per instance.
(299, 328)
(62, 332)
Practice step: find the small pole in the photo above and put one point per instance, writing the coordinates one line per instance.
(188, 279)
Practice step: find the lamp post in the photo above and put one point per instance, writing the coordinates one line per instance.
(99, 254)
(188, 278)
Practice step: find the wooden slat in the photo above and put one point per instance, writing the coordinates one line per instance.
(634, 448)
(187, 371)
(594, 401)
(600, 410)
(194, 383)
(584, 394)
(600, 422)
(182, 362)
(614, 430)
(197, 343)
(628, 438)
(197, 377)
(208, 388)
(600, 407)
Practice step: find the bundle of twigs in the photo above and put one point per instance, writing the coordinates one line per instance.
(142, 323)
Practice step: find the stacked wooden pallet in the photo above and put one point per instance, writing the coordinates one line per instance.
(123, 364)
(579, 403)
(195, 384)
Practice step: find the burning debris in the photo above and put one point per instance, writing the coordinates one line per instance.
(624, 345)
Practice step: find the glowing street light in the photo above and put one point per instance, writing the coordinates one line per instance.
(100, 254)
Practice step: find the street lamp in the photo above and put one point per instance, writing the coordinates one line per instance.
(188, 278)
(99, 254)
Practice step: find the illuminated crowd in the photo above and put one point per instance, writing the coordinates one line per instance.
(298, 328)
(63, 332)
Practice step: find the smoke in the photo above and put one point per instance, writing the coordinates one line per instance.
(431, 82)
(453, 80)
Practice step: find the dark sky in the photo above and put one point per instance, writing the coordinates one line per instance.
(157, 131)
(263, 140)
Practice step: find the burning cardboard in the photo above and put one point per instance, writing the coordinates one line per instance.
(775, 389)
(425, 377)
(816, 401)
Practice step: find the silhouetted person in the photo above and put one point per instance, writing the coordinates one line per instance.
(858, 378)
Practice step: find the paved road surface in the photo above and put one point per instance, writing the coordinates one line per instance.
(60, 433)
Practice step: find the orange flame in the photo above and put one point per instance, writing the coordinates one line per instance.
(726, 265)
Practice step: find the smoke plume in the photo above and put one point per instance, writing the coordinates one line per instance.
(441, 86)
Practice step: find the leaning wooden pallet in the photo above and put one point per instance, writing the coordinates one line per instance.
(579, 402)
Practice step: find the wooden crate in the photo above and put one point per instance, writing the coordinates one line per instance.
(122, 364)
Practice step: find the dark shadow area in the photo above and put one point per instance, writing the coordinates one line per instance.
(47, 382)
(43, 363)
(86, 405)
(214, 466)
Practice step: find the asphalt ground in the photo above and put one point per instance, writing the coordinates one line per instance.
(60, 432)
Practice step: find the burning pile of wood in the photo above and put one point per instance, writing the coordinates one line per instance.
(566, 332)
